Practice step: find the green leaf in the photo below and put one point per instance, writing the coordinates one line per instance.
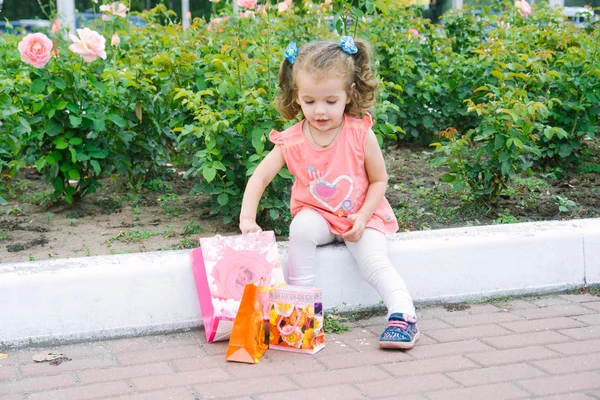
(499, 142)
(73, 155)
(52, 128)
(120, 122)
(200, 84)
(565, 150)
(49, 160)
(96, 165)
(3, 202)
(428, 121)
(218, 165)
(518, 143)
(72, 107)
(100, 86)
(60, 143)
(223, 199)
(75, 141)
(58, 184)
(38, 86)
(74, 174)
(273, 213)
(448, 178)
(257, 137)
(99, 125)
(209, 173)
(40, 164)
(59, 83)
(503, 156)
(75, 121)
(25, 124)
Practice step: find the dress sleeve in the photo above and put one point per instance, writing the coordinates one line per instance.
(276, 137)
(368, 121)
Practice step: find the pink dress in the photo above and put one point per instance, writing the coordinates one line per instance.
(333, 181)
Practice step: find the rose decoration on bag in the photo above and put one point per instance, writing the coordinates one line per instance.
(235, 270)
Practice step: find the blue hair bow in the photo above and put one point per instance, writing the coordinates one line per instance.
(347, 45)
(291, 52)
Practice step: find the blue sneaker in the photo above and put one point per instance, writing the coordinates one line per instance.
(401, 332)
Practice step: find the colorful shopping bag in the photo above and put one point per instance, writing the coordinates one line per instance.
(248, 341)
(296, 319)
(222, 267)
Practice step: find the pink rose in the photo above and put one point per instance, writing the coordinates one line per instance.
(89, 45)
(55, 26)
(283, 6)
(247, 3)
(413, 32)
(236, 269)
(118, 9)
(523, 7)
(289, 2)
(35, 49)
(247, 14)
(115, 40)
(261, 9)
(216, 22)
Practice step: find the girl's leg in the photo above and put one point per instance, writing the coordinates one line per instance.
(370, 253)
(307, 231)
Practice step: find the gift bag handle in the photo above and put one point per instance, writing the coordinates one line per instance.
(290, 328)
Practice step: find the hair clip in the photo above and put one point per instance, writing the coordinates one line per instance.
(291, 52)
(347, 45)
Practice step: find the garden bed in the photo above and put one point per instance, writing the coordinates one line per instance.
(163, 215)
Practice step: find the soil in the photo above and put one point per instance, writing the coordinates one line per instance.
(163, 215)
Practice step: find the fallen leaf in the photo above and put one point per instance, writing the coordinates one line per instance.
(51, 358)
(3, 356)
(41, 357)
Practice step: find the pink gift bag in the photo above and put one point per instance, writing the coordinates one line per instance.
(222, 267)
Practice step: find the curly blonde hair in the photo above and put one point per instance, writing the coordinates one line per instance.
(324, 59)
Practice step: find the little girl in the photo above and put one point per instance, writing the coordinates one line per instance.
(340, 175)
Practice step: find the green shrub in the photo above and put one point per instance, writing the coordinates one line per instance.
(536, 104)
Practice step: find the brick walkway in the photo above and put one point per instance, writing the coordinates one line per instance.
(534, 348)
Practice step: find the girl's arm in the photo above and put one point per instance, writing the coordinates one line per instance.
(262, 176)
(375, 166)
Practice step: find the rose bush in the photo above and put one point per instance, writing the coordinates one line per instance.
(519, 87)
(84, 112)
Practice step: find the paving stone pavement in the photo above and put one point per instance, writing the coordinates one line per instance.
(529, 348)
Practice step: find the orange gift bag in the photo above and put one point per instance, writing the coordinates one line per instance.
(249, 340)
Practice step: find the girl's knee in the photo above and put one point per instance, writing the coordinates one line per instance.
(308, 226)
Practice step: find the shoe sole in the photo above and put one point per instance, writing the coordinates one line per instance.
(400, 345)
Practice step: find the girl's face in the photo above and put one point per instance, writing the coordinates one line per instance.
(322, 101)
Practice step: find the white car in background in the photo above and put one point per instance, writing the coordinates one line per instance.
(579, 16)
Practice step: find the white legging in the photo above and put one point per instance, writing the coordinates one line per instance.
(309, 230)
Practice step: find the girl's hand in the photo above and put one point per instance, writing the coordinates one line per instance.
(358, 227)
(248, 225)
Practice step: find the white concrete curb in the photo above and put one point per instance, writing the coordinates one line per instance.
(125, 295)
